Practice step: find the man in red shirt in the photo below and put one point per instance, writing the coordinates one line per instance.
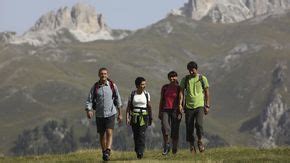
(169, 114)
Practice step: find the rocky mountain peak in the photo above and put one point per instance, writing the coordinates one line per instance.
(80, 17)
(269, 128)
(6, 36)
(80, 23)
(232, 11)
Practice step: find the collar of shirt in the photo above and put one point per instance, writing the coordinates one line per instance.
(101, 84)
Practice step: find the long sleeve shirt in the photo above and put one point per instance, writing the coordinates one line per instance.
(104, 103)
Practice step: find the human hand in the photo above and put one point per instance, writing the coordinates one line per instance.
(90, 114)
(180, 108)
(206, 110)
(120, 119)
(128, 120)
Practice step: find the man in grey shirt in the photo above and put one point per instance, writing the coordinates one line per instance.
(105, 99)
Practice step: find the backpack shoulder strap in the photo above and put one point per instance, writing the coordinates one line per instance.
(146, 95)
(131, 99)
(186, 82)
(96, 87)
(148, 106)
(114, 95)
(202, 82)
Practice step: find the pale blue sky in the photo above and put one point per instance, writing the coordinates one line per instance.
(20, 15)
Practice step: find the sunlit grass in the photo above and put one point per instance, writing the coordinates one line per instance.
(236, 154)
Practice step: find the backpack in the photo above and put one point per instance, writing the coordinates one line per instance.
(96, 87)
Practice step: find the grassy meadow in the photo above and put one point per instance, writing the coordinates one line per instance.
(229, 154)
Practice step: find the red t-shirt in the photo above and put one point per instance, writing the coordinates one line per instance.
(170, 94)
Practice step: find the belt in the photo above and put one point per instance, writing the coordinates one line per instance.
(139, 110)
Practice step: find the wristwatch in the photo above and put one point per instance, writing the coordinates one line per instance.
(207, 106)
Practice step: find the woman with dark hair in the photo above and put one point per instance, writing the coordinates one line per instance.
(169, 113)
(139, 114)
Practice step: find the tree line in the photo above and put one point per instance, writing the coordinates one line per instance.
(56, 137)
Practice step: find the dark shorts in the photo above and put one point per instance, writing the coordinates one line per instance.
(170, 124)
(105, 123)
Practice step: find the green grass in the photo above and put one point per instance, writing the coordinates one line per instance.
(231, 154)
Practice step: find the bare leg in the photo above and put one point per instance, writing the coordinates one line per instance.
(109, 138)
(103, 141)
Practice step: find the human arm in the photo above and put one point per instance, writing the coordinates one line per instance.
(161, 104)
(89, 104)
(207, 99)
(149, 109)
(181, 96)
(128, 111)
(206, 96)
(118, 105)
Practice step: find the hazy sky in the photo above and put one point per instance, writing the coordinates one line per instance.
(20, 15)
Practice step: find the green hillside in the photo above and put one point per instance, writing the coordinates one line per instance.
(233, 154)
(242, 62)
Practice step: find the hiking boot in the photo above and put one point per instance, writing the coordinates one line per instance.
(105, 157)
(192, 149)
(106, 154)
(139, 155)
(166, 149)
(201, 147)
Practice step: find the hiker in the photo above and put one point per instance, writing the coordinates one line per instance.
(195, 90)
(139, 114)
(105, 100)
(169, 113)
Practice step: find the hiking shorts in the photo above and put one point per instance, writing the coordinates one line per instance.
(105, 123)
(170, 124)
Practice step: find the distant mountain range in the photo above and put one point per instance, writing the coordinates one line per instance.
(80, 23)
(247, 64)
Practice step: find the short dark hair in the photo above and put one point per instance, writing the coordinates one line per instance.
(102, 69)
(139, 80)
(191, 65)
(172, 74)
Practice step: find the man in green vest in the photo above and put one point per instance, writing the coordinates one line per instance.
(194, 89)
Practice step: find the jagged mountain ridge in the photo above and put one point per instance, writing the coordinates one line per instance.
(80, 23)
(232, 11)
(271, 127)
(79, 17)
